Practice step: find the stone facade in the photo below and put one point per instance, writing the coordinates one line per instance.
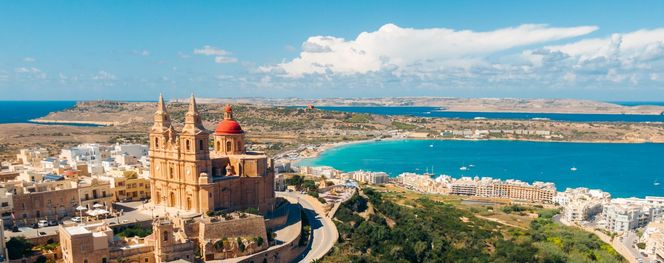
(184, 174)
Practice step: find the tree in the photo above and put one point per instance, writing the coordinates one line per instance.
(18, 247)
(259, 241)
(309, 185)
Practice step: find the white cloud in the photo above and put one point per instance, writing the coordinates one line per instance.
(143, 52)
(620, 58)
(210, 51)
(221, 59)
(399, 49)
(29, 59)
(27, 70)
(220, 56)
(104, 76)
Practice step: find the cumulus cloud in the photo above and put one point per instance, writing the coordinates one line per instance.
(397, 49)
(220, 56)
(621, 57)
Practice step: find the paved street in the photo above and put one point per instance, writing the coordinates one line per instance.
(325, 233)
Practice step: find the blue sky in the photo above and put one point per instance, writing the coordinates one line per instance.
(132, 50)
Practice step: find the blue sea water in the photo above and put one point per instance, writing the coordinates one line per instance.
(435, 112)
(24, 111)
(624, 170)
(639, 103)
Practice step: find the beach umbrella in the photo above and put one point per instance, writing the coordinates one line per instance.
(81, 208)
(97, 205)
(102, 211)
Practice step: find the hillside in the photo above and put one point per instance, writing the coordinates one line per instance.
(392, 227)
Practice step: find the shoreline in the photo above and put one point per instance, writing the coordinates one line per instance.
(98, 123)
(329, 146)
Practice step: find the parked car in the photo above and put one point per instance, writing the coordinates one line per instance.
(77, 219)
(35, 226)
(53, 223)
(42, 223)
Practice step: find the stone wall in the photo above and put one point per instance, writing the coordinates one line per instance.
(251, 226)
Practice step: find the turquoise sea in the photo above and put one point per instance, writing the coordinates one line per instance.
(624, 170)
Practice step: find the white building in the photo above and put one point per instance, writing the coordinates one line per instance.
(624, 214)
(581, 204)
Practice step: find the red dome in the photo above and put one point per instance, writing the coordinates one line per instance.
(228, 127)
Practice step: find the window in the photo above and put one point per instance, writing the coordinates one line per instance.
(170, 172)
(5, 204)
(156, 145)
(165, 235)
(218, 146)
(200, 145)
(228, 146)
(188, 145)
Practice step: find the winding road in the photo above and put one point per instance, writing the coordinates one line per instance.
(324, 231)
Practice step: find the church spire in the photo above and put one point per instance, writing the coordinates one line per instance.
(192, 119)
(192, 104)
(162, 120)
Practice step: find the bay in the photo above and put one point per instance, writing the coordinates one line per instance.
(624, 170)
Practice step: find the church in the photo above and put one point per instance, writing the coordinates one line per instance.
(190, 172)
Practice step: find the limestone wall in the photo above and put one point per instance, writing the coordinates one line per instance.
(244, 227)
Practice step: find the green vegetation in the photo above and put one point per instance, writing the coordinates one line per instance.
(431, 231)
(404, 126)
(259, 241)
(240, 244)
(305, 230)
(132, 231)
(18, 247)
(359, 118)
(513, 208)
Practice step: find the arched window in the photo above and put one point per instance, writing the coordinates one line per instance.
(188, 144)
(165, 235)
(229, 145)
(218, 146)
(156, 142)
(200, 145)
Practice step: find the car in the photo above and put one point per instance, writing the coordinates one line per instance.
(15, 229)
(77, 219)
(42, 223)
(35, 226)
(53, 223)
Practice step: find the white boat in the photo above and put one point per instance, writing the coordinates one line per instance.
(463, 168)
(572, 169)
(431, 145)
(655, 183)
(471, 165)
